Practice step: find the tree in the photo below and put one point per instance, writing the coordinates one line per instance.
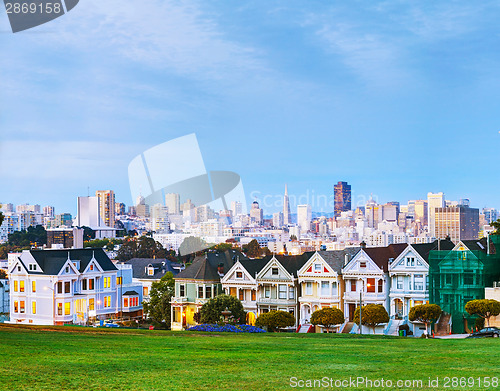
(192, 244)
(327, 317)
(158, 307)
(425, 313)
(149, 248)
(1, 218)
(88, 234)
(275, 320)
(293, 238)
(485, 308)
(211, 311)
(127, 250)
(373, 315)
(3, 274)
(496, 225)
(252, 249)
(33, 235)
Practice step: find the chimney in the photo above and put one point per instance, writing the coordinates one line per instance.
(220, 269)
(347, 258)
(362, 244)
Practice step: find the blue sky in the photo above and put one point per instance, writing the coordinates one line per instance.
(397, 98)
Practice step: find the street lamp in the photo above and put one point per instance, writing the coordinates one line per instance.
(361, 304)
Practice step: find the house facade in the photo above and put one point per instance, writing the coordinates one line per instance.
(321, 283)
(68, 287)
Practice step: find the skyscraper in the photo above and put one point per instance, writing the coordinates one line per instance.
(256, 213)
(304, 217)
(286, 208)
(434, 200)
(106, 206)
(172, 202)
(278, 219)
(458, 222)
(342, 200)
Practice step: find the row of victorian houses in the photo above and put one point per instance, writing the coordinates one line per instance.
(396, 277)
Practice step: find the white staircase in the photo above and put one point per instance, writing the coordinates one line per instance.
(304, 328)
(394, 329)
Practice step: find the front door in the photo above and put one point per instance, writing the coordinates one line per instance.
(352, 309)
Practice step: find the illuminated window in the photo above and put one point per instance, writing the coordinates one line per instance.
(232, 292)
(91, 284)
(21, 307)
(16, 286)
(107, 282)
(239, 274)
(107, 301)
(241, 295)
(91, 267)
(33, 307)
(16, 307)
(21, 286)
(91, 304)
(67, 308)
(253, 295)
(370, 285)
(151, 271)
(59, 309)
(145, 291)
(119, 280)
(125, 302)
(33, 286)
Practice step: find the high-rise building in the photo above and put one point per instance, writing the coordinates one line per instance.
(106, 207)
(390, 211)
(49, 211)
(342, 197)
(88, 212)
(304, 216)
(256, 213)
(141, 208)
(373, 213)
(458, 222)
(6, 208)
(63, 219)
(28, 208)
(173, 203)
(236, 208)
(119, 208)
(286, 208)
(434, 200)
(490, 215)
(65, 238)
(278, 219)
(421, 212)
(159, 218)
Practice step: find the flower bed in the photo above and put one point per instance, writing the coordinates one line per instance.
(240, 328)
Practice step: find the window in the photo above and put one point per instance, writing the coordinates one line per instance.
(353, 285)
(84, 284)
(232, 292)
(119, 280)
(125, 301)
(317, 267)
(33, 307)
(91, 268)
(107, 301)
(410, 261)
(145, 291)
(16, 286)
(67, 308)
(419, 282)
(107, 282)
(291, 293)
(91, 284)
(91, 304)
(241, 295)
(182, 290)
(309, 288)
(67, 269)
(33, 286)
(399, 282)
(274, 271)
(16, 307)
(19, 268)
(334, 288)
(325, 288)
(267, 291)
(200, 292)
(151, 271)
(380, 286)
(362, 264)
(281, 291)
(208, 292)
(21, 307)
(468, 277)
(239, 274)
(59, 309)
(67, 287)
(253, 295)
(21, 286)
(60, 287)
(370, 285)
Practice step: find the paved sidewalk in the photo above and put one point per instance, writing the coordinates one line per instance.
(453, 336)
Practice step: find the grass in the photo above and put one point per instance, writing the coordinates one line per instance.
(93, 359)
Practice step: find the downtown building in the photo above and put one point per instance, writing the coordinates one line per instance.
(342, 200)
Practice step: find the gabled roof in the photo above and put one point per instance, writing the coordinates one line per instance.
(205, 266)
(291, 263)
(253, 266)
(161, 267)
(424, 249)
(52, 261)
(381, 255)
(336, 258)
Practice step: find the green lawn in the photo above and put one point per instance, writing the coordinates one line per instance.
(103, 359)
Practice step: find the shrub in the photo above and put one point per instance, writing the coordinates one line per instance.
(228, 328)
(327, 317)
(372, 315)
(275, 320)
(211, 312)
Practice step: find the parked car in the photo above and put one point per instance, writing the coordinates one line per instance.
(486, 332)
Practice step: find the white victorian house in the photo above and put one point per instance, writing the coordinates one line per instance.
(366, 277)
(320, 281)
